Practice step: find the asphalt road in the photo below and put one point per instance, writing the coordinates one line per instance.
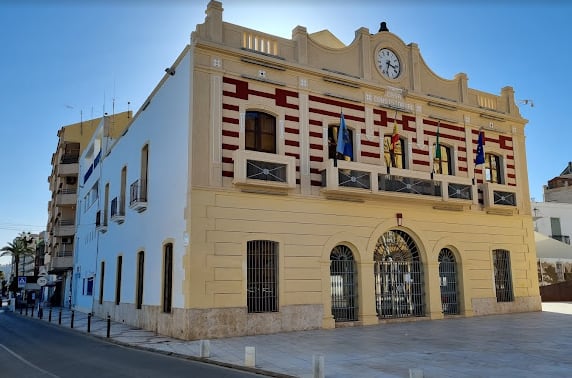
(33, 349)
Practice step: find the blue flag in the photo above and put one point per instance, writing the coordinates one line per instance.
(344, 143)
(480, 159)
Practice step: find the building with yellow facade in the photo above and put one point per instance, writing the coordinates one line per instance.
(241, 217)
(63, 185)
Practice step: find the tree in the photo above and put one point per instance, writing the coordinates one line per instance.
(17, 249)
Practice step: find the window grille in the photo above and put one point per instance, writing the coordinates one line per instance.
(262, 276)
(167, 277)
(399, 287)
(343, 279)
(140, 272)
(448, 282)
(391, 183)
(266, 171)
(503, 276)
(460, 191)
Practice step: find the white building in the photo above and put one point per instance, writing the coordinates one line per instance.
(118, 175)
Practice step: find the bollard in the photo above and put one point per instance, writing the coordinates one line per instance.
(26, 309)
(60, 317)
(108, 325)
(32, 312)
(40, 312)
(415, 373)
(20, 310)
(89, 322)
(50, 315)
(318, 366)
(249, 357)
(72, 317)
(205, 348)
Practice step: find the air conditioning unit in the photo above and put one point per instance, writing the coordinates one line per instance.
(67, 240)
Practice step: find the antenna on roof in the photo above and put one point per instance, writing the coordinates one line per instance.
(81, 122)
(128, 103)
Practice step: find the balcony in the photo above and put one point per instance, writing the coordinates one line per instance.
(499, 199)
(561, 238)
(117, 214)
(138, 196)
(357, 181)
(65, 227)
(66, 197)
(100, 222)
(68, 168)
(61, 258)
(264, 172)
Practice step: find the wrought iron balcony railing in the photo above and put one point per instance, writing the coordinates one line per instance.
(138, 195)
(117, 214)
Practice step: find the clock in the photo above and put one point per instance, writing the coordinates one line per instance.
(388, 63)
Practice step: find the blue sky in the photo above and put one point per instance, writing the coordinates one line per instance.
(63, 58)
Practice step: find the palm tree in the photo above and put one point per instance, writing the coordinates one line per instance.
(17, 249)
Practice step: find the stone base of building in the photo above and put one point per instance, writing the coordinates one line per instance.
(212, 323)
(490, 306)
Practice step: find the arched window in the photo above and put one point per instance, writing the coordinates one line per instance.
(394, 157)
(448, 282)
(442, 163)
(343, 281)
(260, 132)
(493, 168)
(399, 287)
(167, 277)
(140, 278)
(333, 131)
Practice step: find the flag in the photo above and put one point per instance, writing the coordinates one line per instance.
(480, 159)
(344, 143)
(437, 145)
(395, 135)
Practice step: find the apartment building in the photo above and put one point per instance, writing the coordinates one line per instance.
(63, 184)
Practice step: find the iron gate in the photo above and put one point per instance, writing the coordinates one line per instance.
(343, 278)
(448, 282)
(399, 288)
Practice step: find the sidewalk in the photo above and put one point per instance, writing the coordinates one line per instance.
(514, 345)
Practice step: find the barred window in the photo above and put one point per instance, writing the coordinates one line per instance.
(262, 276)
(503, 276)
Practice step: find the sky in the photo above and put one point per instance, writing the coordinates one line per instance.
(63, 60)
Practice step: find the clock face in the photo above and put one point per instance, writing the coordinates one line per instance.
(388, 63)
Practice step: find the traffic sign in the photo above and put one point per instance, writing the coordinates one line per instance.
(21, 282)
(42, 281)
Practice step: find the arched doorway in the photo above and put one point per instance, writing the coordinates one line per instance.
(448, 282)
(399, 287)
(343, 279)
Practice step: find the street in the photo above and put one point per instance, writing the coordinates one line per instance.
(35, 349)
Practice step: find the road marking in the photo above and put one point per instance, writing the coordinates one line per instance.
(28, 362)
